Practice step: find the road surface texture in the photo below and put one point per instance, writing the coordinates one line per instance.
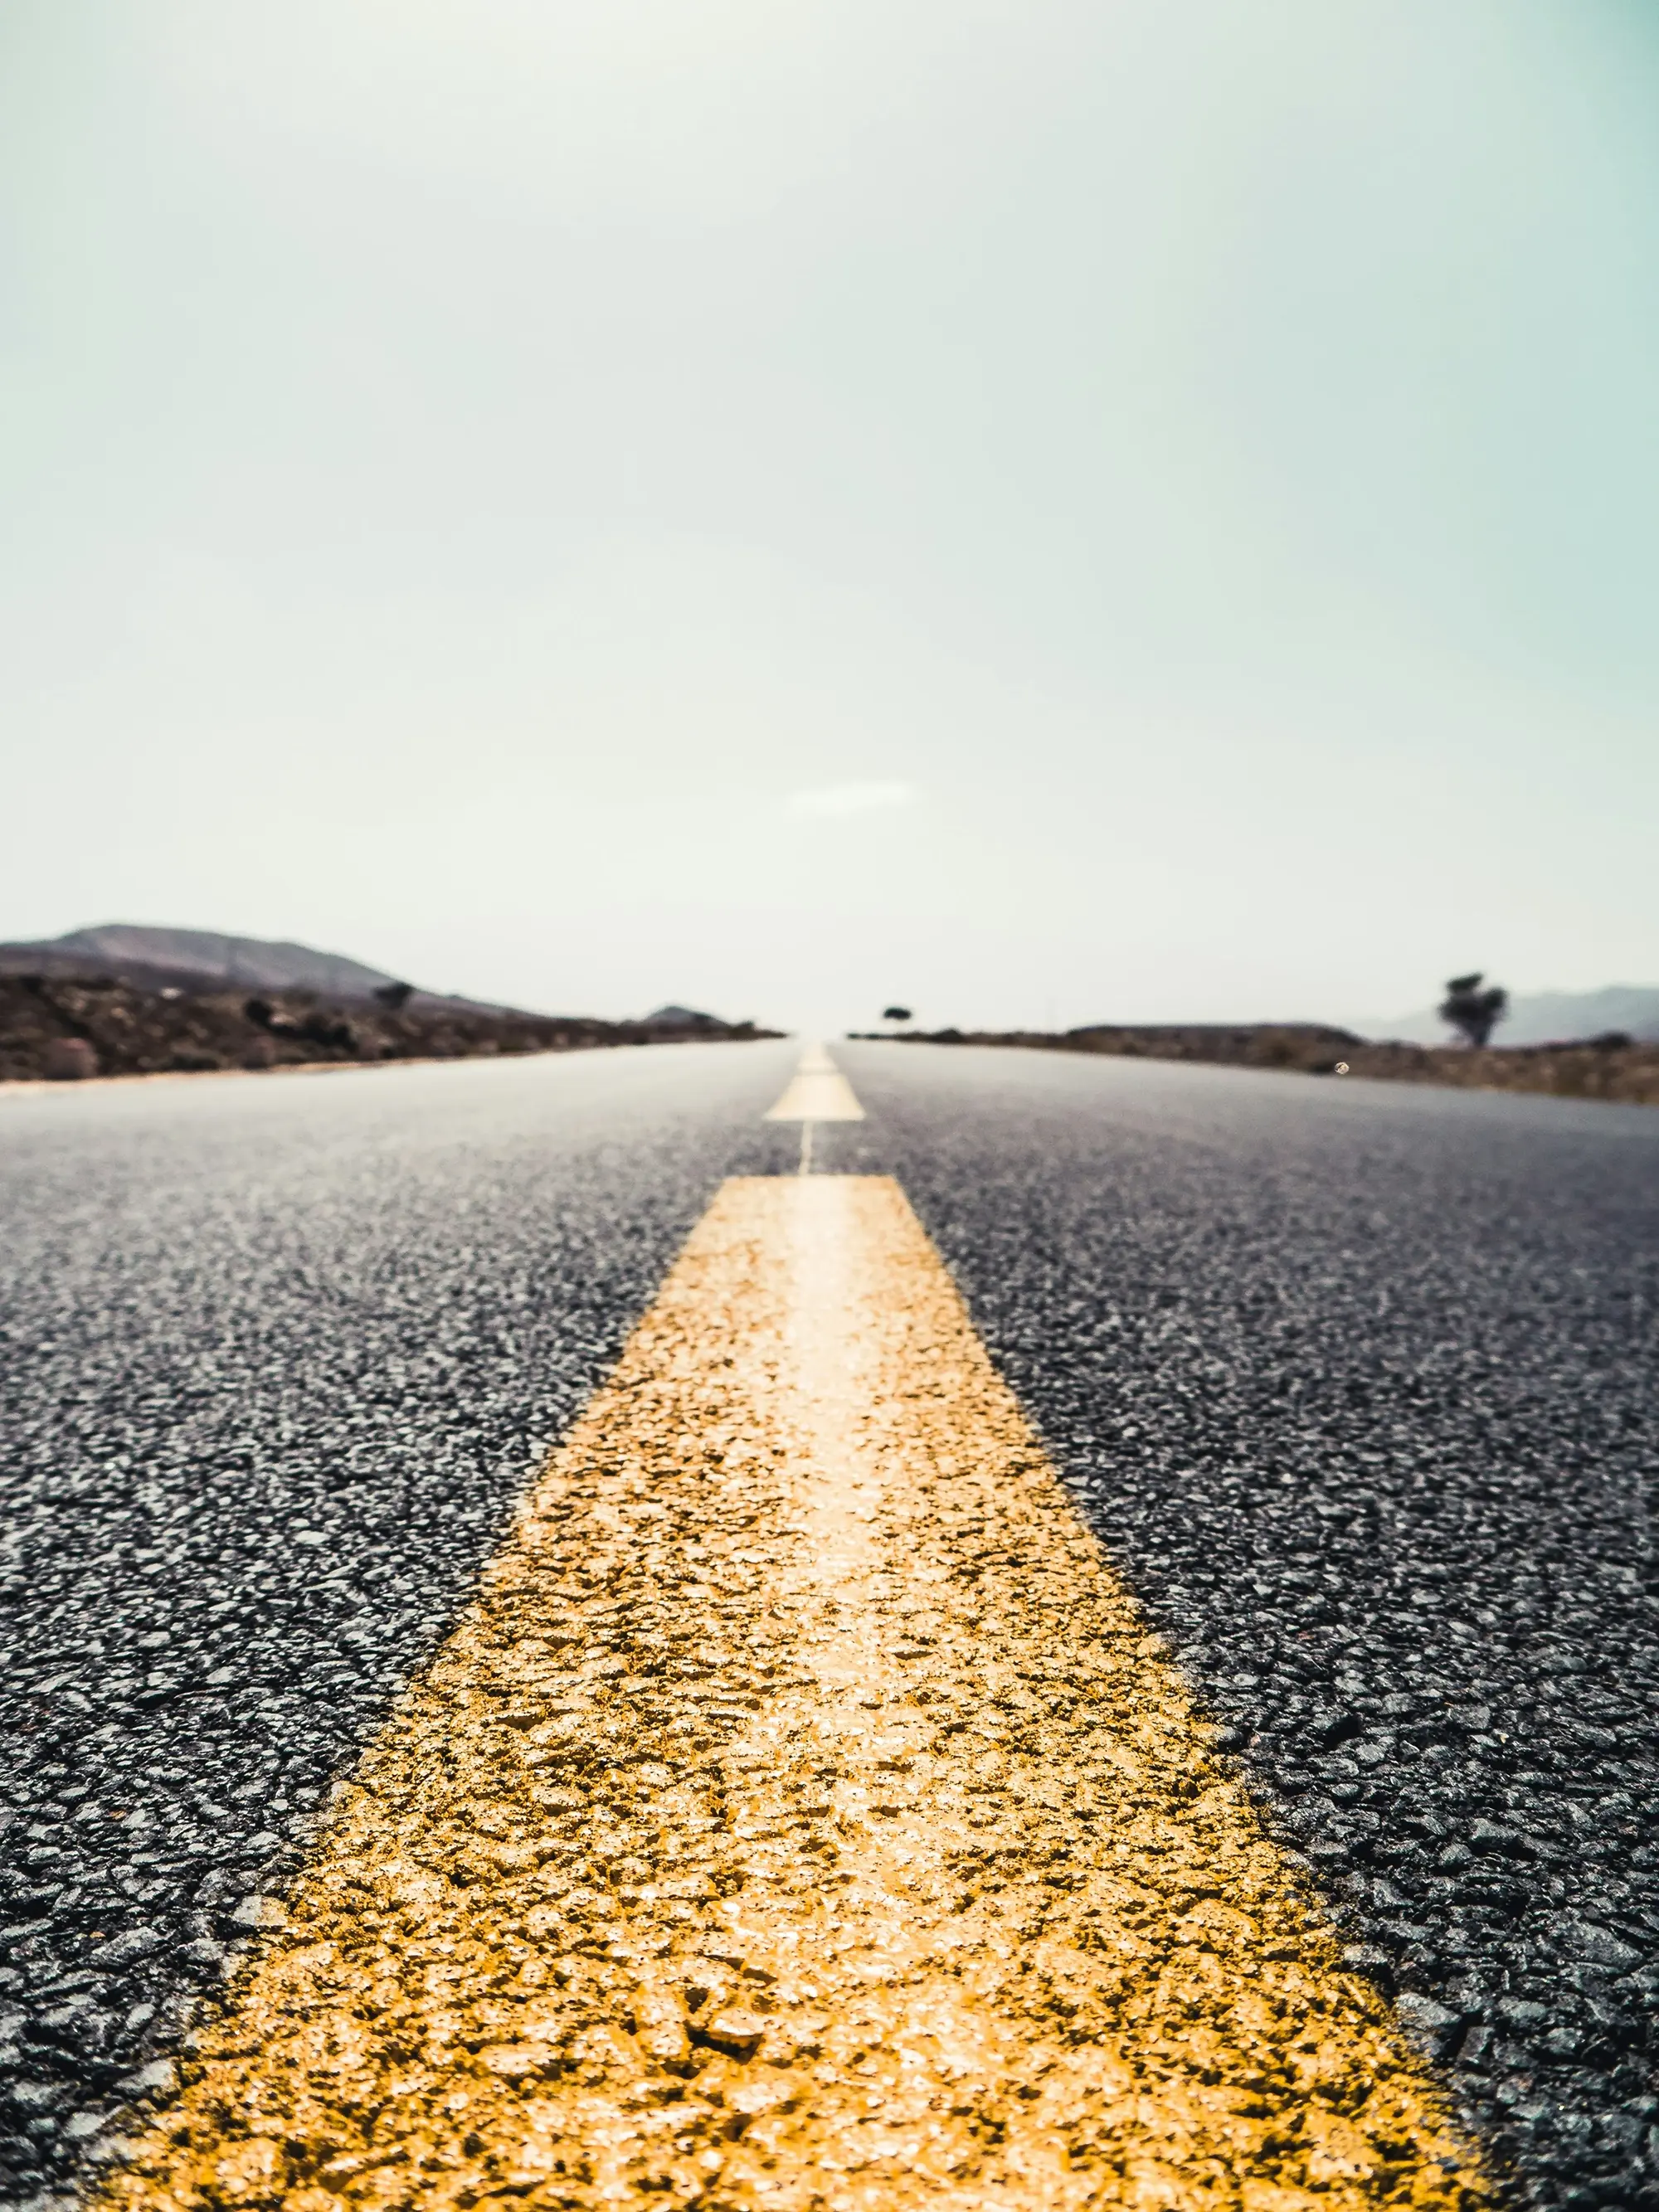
(1354, 1383)
(1358, 1387)
(278, 1354)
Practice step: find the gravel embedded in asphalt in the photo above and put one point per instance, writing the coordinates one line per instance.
(1356, 1382)
(278, 1354)
(1356, 1385)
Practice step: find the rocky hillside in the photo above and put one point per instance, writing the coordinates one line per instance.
(1304, 1045)
(1613, 1067)
(193, 959)
(69, 1026)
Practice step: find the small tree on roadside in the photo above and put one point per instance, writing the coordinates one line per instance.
(1473, 1012)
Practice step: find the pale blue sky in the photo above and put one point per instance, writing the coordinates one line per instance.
(1047, 509)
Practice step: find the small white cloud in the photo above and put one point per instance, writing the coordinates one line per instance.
(851, 797)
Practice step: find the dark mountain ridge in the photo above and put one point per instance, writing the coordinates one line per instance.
(203, 959)
(127, 999)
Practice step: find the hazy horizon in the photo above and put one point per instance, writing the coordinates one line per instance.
(1419, 1024)
(1037, 512)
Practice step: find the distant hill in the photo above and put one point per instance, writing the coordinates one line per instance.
(197, 958)
(1546, 1017)
(201, 960)
(64, 1027)
(680, 1018)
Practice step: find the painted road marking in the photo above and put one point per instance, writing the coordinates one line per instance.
(817, 1092)
(801, 1818)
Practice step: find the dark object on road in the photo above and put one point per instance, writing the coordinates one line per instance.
(1473, 1012)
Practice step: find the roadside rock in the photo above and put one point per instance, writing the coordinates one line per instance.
(68, 1060)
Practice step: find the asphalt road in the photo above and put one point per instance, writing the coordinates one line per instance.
(1355, 1381)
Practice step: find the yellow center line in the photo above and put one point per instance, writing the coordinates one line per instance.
(817, 1092)
(801, 1817)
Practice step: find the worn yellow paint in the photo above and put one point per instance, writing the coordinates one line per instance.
(801, 1817)
(817, 1092)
